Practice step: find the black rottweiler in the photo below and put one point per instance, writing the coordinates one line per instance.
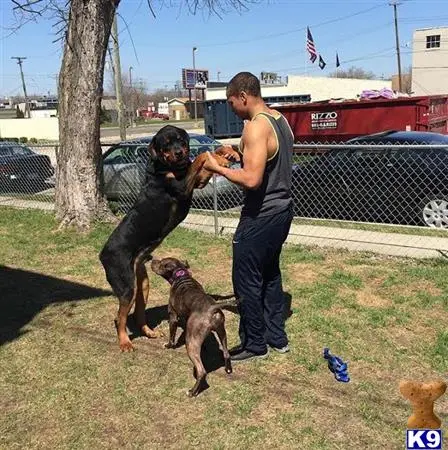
(162, 204)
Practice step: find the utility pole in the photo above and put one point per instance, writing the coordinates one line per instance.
(195, 90)
(395, 3)
(219, 73)
(118, 80)
(27, 105)
(131, 94)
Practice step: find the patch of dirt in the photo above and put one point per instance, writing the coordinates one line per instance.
(418, 286)
(368, 298)
(303, 273)
(173, 252)
(337, 311)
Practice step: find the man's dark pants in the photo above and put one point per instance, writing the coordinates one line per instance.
(257, 280)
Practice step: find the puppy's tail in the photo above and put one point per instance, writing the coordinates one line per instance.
(229, 305)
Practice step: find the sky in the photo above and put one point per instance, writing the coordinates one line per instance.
(270, 35)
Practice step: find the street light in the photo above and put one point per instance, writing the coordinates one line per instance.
(195, 95)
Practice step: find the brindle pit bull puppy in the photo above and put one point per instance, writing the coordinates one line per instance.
(202, 314)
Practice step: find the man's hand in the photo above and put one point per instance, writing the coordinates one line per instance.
(211, 164)
(228, 152)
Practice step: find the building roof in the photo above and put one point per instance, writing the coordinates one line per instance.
(179, 99)
(442, 27)
(109, 104)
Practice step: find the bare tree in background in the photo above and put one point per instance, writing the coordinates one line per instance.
(85, 26)
(353, 72)
(135, 96)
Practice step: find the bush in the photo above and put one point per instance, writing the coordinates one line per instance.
(33, 140)
(104, 116)
(140, 120)
(23, 140)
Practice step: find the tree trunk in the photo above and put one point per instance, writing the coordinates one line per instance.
(79, 199)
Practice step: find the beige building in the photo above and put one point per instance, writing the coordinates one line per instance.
(177, 108)
(320, 88)
(430, 61)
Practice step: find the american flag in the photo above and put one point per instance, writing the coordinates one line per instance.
(310, 46)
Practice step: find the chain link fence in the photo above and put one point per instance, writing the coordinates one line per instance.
(346, 195)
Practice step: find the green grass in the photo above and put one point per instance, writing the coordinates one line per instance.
(64, 384)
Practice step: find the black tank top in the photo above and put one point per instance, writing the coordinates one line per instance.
(274, 193)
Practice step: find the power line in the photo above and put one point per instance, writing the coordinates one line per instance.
(284, 33)
(301, 52)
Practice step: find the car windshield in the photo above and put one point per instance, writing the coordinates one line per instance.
(401, 138)
(137, 151)
(5, 151)
(202, 143)
(20, 150)
(203, 139)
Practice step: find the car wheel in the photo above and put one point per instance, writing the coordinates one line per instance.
(435, 213)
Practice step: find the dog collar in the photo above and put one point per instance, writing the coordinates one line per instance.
(179, 273)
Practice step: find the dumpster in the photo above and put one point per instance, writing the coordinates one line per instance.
(221, 122)
(333, 121)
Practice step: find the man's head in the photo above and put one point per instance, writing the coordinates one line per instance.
(242, 92)
(171, 147)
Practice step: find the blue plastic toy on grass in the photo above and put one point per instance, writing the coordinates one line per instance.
(337, 366)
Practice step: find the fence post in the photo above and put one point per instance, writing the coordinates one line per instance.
(215, 206)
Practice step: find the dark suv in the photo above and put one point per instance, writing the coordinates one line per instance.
(392, 177)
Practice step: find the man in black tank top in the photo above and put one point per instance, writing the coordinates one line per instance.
(265, 176)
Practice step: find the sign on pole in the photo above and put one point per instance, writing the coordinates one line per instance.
(188, 78)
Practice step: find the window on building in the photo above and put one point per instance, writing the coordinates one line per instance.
(433, 41)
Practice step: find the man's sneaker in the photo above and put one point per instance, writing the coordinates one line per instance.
(246, 355)
(284, 349)
(235, 350)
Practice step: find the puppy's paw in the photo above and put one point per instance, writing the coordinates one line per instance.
(192, 393)
(169, 345)
(151, 334)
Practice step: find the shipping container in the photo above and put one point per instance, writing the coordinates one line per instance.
(339, 121)
(221, 122)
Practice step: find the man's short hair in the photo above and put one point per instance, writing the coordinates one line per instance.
(244, 81)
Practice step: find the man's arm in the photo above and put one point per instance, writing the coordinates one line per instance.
(255, 138)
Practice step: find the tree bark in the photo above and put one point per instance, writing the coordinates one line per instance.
(79, 199)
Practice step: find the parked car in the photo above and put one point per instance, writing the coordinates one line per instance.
(124, 173)
(381, 184)
(21, 169)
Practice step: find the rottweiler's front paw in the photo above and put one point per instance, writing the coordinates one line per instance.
(126, 345)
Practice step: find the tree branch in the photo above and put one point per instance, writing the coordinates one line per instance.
(27, 6)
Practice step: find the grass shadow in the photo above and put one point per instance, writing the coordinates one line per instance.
(24, 294)
(154, 317)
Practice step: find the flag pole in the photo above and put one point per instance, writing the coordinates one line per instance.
(337, 65)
